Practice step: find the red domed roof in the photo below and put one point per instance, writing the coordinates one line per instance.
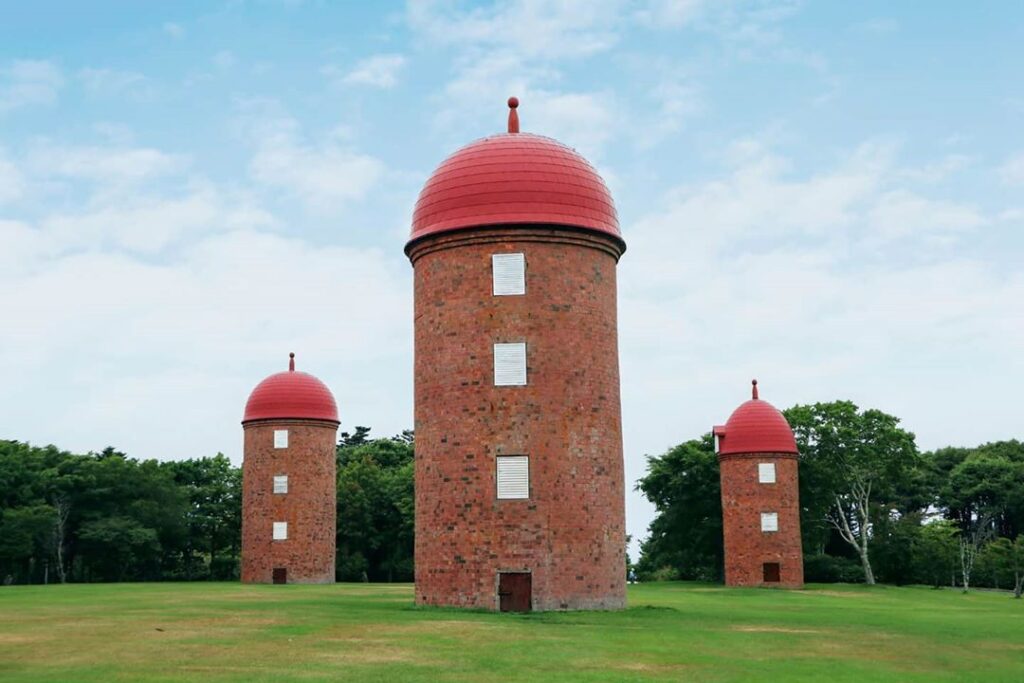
(514, 178)
(755, 427)
(291, 394)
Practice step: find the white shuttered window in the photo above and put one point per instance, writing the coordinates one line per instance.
(281, 483)
(510, 364)
(509, 272)
(769, 521)
(280, 531)
(280, 438)
(513, 476)
(766, 472)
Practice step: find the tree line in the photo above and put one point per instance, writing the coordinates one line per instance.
(109, 517)
(873, 507)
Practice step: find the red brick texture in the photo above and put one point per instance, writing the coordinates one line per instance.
(747, 548)
(309, 507)
(570, 533)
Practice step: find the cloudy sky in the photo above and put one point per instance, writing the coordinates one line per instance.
(826, 196)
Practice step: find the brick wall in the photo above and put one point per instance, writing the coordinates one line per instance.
(747, 548)
(309, 506)
(570, 533)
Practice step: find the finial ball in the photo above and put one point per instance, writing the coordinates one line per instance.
(513, 102)
(292, 355)
(754, 382)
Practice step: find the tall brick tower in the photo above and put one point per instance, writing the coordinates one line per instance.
(288, 480)
(519, 472)
(760, 497)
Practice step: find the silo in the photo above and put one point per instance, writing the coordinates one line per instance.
(519, 470)
(758, 461)
(289, 487)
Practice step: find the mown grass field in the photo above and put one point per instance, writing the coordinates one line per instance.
(672, 631)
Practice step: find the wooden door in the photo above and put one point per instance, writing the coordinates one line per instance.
(280, 575)
(771, 572)
(515, 591)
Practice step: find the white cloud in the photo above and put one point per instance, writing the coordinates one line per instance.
(25, 83)
(175, 31)
(102, 164)
(586, 121)
(225, 59)
(669, 13)
(529, 28)
(836, 284)
(939, 170)
(325, 175)
(12, 183)
(877, 26)
(134, 346)
(169, 297)
(378, 71)
(900, 213)
(110, 81)
(1012, 171)
(149, 224)
(478, 93)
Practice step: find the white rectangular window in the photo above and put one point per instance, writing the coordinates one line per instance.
(509, 272)
(766, 472)
(769, 521)
(281, 483)
(510, 364)
(513, 476)
(280, 531)
(280, 438)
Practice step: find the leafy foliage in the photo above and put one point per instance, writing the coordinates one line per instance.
(375, 508)
(871, 505)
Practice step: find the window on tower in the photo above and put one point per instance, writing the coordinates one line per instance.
(281, 483)
(280, 438)
(280, 531)
(510, 364)
(509, 274)
(513, 477)
(766, 472)
(769, 521)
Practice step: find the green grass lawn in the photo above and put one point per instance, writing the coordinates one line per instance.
(672, 631)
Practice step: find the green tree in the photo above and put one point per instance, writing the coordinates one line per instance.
(376, 509)
(213, 487)
(982, 491)
(936, 552)
(1009, 557)
(26, 537)
(119, 546)
(860, 462)
(686, 535)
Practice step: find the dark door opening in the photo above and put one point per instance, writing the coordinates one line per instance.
(771, 572)
(280, 575)
(515, 590)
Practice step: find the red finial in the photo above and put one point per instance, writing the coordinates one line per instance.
(291, 362)
(513, 116)
(754, 384)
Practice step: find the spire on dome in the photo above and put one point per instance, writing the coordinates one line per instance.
(291, 363)
(753, 390)
(513, 116)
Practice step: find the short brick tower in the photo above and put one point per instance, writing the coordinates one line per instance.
(519, 472)
(288, 480)
(760, 497)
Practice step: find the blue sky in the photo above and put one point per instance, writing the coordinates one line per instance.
(827, 196)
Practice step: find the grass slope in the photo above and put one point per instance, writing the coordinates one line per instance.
(672, 631)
